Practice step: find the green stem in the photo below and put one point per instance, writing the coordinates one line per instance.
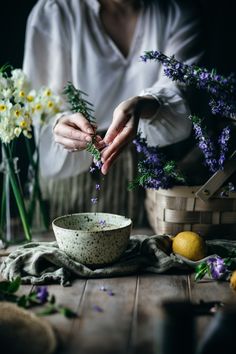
(36, 189)
(3, 206)
(16, 191)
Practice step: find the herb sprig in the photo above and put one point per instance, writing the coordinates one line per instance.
(79, 104)
(38, 297)
(154, 170)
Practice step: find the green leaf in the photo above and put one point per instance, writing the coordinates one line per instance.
(47, 310)
(22, 301)
(10, 287)
(68, 313)
(14, 285)
(200, 271)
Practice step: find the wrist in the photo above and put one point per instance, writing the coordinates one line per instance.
(148, 106)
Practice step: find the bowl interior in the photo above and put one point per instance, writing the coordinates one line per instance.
(92, 222)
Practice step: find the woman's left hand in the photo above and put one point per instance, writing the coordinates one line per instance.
(124, 126)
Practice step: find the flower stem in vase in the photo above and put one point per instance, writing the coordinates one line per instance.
(14, 183)
(36, 191)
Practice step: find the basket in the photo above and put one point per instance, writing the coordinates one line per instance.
(174, 210)
(201, 209)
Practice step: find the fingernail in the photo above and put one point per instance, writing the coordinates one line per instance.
(88, 139)
(90, 131)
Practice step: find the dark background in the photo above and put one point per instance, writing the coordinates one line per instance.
(218, 25)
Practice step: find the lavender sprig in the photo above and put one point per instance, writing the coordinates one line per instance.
(154, 171)
(38, 297)
(215, 155)
(222, 89)
(79, 104)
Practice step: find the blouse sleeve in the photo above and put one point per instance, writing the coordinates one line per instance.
(170, 124)
(47, 62)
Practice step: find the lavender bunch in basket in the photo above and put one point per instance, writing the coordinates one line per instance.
(154, 170)
(222, 90)
(214, 150)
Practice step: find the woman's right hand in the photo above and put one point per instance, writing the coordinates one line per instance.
(74, 132)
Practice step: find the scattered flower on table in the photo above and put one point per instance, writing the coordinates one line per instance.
(38, 297)
(215, 267)
(97, 308)
(107, 290)
(42, 293)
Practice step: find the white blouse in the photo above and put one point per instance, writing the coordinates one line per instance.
(65, 41)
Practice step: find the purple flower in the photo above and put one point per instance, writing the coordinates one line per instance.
(98, 187)
(223, 142)
(103, 288)
(217, 267)
(97, 308)
(42, 294)
(98, 164)
(94, 200)
(102, 223)
(110, 292)
(222, 89)
(92, 169)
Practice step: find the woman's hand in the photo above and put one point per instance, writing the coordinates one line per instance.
(74, 132)
(124, 126)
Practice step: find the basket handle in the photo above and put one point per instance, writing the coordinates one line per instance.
(216, 181)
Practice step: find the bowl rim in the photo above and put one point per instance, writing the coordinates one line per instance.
(89, 213)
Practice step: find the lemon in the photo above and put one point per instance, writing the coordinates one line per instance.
(189, 245)
(233, 280)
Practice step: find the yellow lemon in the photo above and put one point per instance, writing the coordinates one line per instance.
(233, 280)
(189, 245)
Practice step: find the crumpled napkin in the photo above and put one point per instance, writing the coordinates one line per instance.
(44, 262)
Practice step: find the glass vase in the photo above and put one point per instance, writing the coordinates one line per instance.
(14, 226)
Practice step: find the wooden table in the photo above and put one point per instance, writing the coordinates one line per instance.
(131, 319)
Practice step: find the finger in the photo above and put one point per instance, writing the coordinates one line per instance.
(70, 144)
(107, 165)
(68, 131)
(120, 118)
(122, 139)
(82, 123)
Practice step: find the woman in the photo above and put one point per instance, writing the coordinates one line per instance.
(96, 45)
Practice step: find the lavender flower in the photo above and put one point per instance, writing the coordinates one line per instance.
(223, 142)
(102, 223)
(97, 308)
(215, 154)
(154, 171)
(92, 169)
(42, 294)
(103, 288)
(110, 292)
(217, 267)
(222, 89)
(94, 200)
(227, 189)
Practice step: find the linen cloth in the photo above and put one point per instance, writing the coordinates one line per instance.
(66, 41)
(44, 262)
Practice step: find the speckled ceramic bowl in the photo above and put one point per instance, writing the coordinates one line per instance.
(92, 238)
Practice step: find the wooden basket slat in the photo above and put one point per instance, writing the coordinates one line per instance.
(169, 212)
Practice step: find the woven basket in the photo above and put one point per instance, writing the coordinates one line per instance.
(173, 210)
